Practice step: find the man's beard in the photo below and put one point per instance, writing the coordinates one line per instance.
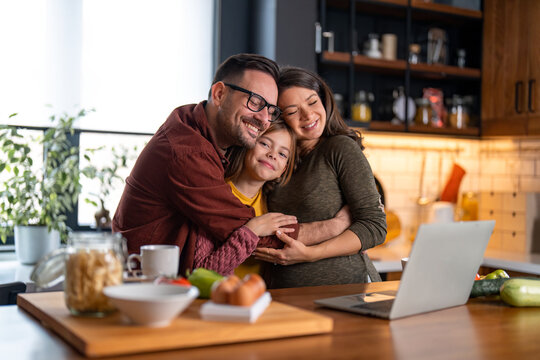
(236, 133)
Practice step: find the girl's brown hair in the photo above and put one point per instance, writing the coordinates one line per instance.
(293, 76)
(237, 154)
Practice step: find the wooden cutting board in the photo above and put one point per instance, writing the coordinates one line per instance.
(113, 335)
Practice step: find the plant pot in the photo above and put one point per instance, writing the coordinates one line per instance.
(34, 242)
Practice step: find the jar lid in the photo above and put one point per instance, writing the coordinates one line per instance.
(49, 271)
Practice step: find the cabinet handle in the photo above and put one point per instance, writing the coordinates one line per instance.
(516, 96)
(532, 82)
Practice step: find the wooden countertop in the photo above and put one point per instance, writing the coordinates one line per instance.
(481, 329)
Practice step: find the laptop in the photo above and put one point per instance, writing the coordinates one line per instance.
(442, 265)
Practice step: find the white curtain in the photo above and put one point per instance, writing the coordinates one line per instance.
(133, 61)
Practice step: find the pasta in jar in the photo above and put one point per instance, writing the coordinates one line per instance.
(90, 267)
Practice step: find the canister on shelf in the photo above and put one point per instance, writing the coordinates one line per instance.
(424, 112)
(459, 112)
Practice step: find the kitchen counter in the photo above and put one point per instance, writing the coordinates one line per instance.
(481, 329)
(387, 258)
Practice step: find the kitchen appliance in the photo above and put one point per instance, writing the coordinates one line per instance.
(449, 251)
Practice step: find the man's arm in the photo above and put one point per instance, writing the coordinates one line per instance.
(318, 231)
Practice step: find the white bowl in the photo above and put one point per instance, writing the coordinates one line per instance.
(149, 304)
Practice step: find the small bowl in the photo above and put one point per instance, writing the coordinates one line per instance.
(151, 305)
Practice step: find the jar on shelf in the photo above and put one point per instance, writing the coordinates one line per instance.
(459, 113)
(92, 262)
(361, 109)
(414, 53)
(424, 112)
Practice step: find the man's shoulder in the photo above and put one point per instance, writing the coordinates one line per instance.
(187, 128)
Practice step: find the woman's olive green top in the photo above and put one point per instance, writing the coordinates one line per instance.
(336, 173)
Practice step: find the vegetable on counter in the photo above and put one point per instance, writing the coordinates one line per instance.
(497, 274)
(203, 279)
(521, 292)
(488, 287)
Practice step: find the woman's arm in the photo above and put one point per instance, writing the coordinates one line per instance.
(295, 252)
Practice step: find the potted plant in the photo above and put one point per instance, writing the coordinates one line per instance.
(107, 176)
(36, 197)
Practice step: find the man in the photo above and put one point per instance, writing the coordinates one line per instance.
(176, 191)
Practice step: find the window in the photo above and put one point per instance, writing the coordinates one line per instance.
(132, 61)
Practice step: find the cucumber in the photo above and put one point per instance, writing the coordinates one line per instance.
(521, 292)
(489, 287)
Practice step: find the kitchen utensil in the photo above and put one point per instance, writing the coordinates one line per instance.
(451, 189)
(149, 304)
(436, 48)
(393, 225)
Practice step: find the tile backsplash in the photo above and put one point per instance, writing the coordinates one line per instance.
(411, 167)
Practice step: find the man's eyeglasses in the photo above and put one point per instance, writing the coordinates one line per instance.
(256, 102)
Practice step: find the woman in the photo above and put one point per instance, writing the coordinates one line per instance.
(332, 172)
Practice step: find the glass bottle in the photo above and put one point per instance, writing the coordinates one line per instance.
(459, 113)
(424, 112)
(92, 262)
(361, 110)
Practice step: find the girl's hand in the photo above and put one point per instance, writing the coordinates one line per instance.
(293, 252)
(269, 223)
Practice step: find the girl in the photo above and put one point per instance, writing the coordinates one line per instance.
(251, 173)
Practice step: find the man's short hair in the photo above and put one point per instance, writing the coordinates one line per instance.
(233, 68)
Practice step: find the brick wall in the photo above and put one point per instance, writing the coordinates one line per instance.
(492, 165)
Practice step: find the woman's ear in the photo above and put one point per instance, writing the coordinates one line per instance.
(218, 93)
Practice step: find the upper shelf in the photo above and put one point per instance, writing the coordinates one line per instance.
(445, 9)
(421, 70)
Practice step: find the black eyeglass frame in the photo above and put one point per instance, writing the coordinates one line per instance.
(264, 104)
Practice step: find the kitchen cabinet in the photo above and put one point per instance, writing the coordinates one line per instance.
(511, 68)
(342, 61)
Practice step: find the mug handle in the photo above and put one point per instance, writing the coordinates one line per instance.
(131, 258)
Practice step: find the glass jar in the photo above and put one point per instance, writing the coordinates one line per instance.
(92, 262)
(361, 110)
(459, 113)
(424, 112)
(469, 207)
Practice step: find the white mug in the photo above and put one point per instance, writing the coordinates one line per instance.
(156, 260)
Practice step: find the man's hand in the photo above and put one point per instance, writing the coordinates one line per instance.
(293, 252)
(269, 223)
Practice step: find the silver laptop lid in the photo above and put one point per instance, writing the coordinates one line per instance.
(442, 265)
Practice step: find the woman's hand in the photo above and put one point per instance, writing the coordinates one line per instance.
(269, 223)
(293, 252)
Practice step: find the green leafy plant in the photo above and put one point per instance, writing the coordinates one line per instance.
(107, 176)
(39, 195)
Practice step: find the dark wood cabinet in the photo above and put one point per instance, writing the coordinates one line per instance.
(348, 70)
(511, 68)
